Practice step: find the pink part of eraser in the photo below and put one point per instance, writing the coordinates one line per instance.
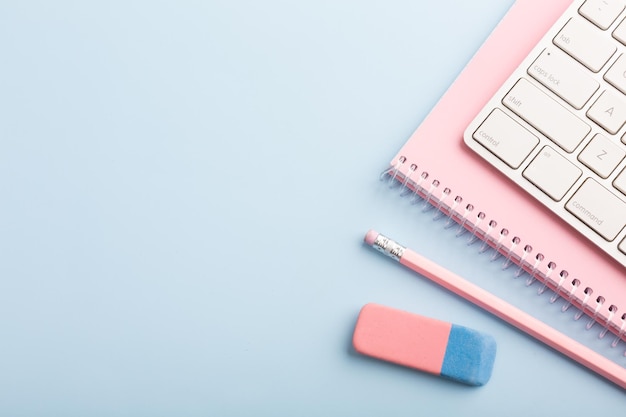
(370, 237)
(401, 337)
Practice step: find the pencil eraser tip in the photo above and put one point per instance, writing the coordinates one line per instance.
(370, 237)
(429, 345)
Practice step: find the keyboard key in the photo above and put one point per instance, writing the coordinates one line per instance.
(599, 209)
(620, 32)
(552, 173)
(609, 111)
(602, 155)
(564, 76)
(620, 182)
(585, 43)
(505, 138)
(622, 246)
(602, 13)
(616, 75)
(546, 115)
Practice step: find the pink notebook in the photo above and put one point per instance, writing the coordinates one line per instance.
(593, 282)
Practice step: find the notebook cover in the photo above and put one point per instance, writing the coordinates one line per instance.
(437, 148)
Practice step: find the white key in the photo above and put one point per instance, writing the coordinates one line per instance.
(564, 77)
(599, 209)
(620, 32)
(602, 12)
(616, 75)
(505, 138)
(602, 155)
(585, 43)
(552, 173)
(620, 182)
(546, 115)
(622, 246)
(609, 111)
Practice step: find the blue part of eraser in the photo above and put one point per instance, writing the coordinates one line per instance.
(469, 356)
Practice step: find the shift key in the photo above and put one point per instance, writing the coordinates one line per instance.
(546, 115)
(505, 138)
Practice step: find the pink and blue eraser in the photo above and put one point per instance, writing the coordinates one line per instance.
(434, 346)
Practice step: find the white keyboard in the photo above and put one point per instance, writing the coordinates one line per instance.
(557, 126)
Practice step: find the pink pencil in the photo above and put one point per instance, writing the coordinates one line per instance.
(498, 307)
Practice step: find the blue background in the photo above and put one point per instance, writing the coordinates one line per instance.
(185, 186)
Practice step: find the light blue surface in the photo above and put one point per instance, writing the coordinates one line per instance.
(185, 188)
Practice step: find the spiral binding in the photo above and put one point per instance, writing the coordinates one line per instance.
(417, 187)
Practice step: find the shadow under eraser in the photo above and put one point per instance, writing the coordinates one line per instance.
(423, 343)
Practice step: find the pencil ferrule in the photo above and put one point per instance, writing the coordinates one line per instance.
(389, 247)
